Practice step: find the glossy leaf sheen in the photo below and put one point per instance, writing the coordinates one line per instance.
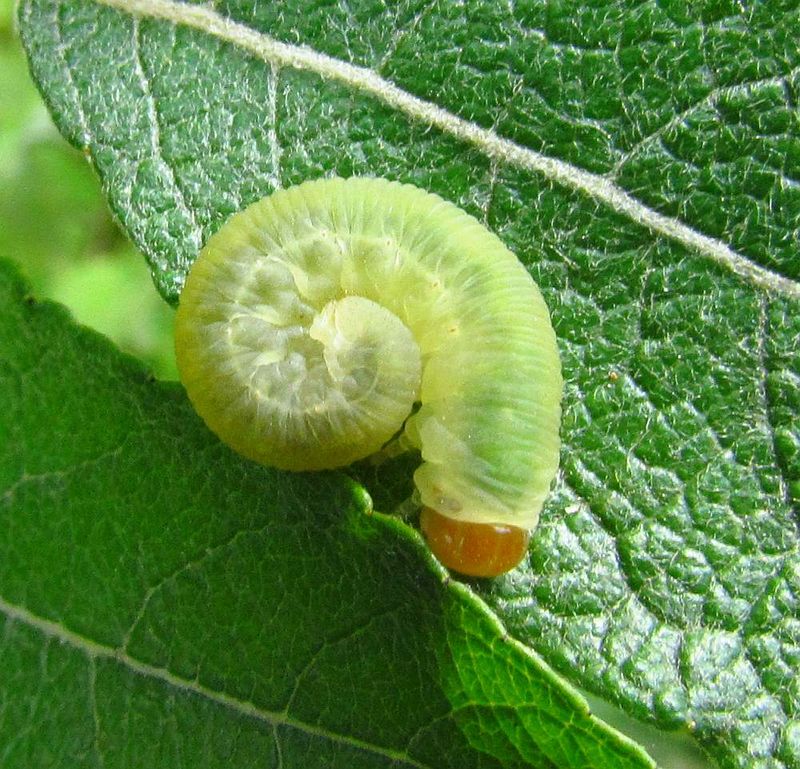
(664, 574)
(218, 613)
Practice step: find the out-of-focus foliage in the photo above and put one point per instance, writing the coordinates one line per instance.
(55, 223)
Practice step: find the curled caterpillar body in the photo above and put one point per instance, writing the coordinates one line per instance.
(314, 320)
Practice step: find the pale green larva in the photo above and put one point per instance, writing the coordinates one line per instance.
(314, 320)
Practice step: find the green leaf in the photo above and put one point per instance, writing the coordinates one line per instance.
(642, 160)
(57, 224)
(155, 612)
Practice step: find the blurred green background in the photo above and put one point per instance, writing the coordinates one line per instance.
(56, 226)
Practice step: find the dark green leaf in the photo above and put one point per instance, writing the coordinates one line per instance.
(156, 612)
(642, 160)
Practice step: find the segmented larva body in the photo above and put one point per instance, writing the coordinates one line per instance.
(314, 320)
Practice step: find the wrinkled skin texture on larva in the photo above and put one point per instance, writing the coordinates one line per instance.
(315, 319)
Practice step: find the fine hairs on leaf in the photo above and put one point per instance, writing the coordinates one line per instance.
(640, 161)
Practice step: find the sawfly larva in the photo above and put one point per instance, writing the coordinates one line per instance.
(324, 319)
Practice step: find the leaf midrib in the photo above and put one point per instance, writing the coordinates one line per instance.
(94, 650)
(279, 54)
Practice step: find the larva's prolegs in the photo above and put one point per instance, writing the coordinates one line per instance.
(313, 320)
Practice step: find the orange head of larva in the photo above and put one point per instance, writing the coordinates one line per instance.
(473, 549)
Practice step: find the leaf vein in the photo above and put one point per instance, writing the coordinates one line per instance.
(193, 564)
(155, 137)
(272, 130)
(55, 631)
(779, 462)
(86, 133)
(95, 713)
(710, 100)
(279, 54)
